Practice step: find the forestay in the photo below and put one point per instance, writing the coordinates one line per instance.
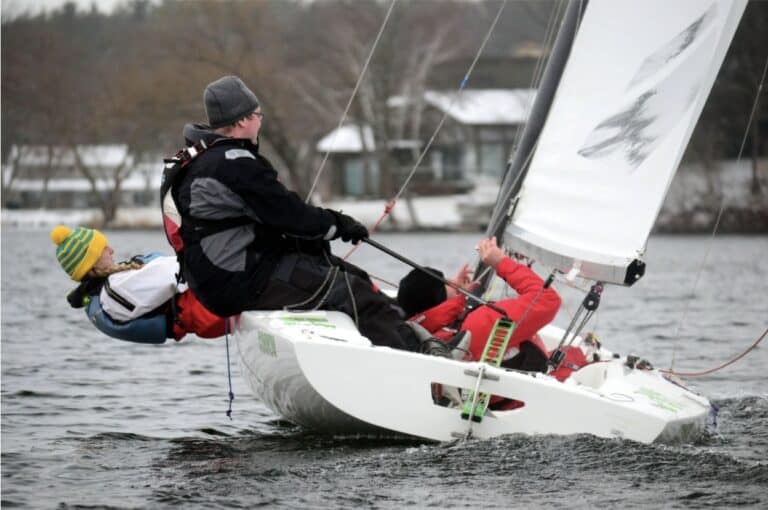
(631, 93)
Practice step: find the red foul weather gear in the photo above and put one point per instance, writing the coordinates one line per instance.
(193, 317)
(543, 306)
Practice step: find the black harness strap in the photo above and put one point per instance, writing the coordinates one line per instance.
(117, 297)
(195, 229)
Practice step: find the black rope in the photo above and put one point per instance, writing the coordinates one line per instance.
(229, 369)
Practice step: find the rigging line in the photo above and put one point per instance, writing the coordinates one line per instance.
(496, 225)
(711, 370)
(686, 306)
(349, 103)
(538, 72)
(382, 280)
(231, 394)
(544, 286)
(452, 103)
(507, 194)
(391, 202)
(352, 298)
(243, 361)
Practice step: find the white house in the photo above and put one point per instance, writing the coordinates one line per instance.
(53, 176)
(473, 145)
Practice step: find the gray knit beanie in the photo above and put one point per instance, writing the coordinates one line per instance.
(228, 100)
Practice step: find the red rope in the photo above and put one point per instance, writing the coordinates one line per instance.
(387, 209)
(707, 372)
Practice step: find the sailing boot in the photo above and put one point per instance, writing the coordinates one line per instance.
(429, 344)
(408, 337)
(455, 348)
(459, 349)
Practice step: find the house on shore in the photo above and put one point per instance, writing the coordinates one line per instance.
(476, 135)
(76, 177)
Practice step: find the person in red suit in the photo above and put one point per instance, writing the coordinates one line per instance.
(440, 309)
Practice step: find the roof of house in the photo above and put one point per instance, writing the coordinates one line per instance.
(346, 139)
(484, 107)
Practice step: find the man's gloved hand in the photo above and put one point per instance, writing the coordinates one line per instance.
(348, 228)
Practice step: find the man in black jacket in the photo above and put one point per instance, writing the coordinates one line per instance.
(251, 244)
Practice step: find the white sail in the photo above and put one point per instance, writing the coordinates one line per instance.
(631, 93)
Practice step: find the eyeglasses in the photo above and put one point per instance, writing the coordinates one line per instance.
(260, 115)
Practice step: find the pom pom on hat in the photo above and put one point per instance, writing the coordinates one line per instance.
(78, 250)
(59, 234)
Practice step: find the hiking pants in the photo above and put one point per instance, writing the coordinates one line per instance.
(303, 281)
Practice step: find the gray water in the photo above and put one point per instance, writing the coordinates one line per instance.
(91, 422)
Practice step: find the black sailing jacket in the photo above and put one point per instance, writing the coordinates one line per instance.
(231, 183)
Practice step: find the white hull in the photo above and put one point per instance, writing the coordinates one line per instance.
(316, 370)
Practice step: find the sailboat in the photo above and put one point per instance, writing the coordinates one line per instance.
(621, 94)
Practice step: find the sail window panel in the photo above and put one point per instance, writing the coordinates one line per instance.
(629, 97)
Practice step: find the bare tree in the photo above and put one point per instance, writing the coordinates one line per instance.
(97, 175)
(137, 75)
(413, 43)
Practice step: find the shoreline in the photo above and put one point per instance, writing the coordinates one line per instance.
(432, 214)
(665, 230)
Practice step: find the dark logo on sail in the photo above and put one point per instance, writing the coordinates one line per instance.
(670, 83)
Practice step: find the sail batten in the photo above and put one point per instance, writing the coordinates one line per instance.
(633, 88)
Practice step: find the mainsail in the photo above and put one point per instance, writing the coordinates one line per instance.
(631, 92)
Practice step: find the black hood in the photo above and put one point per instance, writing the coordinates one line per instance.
(193, 133)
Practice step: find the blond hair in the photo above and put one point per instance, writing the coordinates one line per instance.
(115, 268)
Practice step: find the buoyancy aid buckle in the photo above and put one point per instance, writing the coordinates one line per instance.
(187, 154)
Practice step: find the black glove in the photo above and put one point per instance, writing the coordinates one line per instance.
(348, 228)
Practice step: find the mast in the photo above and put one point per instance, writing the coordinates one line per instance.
(517, 165)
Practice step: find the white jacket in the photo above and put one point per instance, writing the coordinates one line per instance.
(130, 294)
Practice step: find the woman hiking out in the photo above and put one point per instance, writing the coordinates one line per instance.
(136, 301)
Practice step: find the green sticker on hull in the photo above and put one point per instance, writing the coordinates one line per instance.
(660, 400)
(322, 322)
(267, 344)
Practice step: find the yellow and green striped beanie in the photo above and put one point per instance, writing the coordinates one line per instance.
(78, 250)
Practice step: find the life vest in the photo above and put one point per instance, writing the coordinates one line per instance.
(173, 169)
(128, 295)
(179, 231)
(152, 329)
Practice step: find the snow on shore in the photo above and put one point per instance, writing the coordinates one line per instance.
(439, 212)
(691, 205)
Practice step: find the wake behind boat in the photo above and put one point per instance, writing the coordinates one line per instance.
(622, 91)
